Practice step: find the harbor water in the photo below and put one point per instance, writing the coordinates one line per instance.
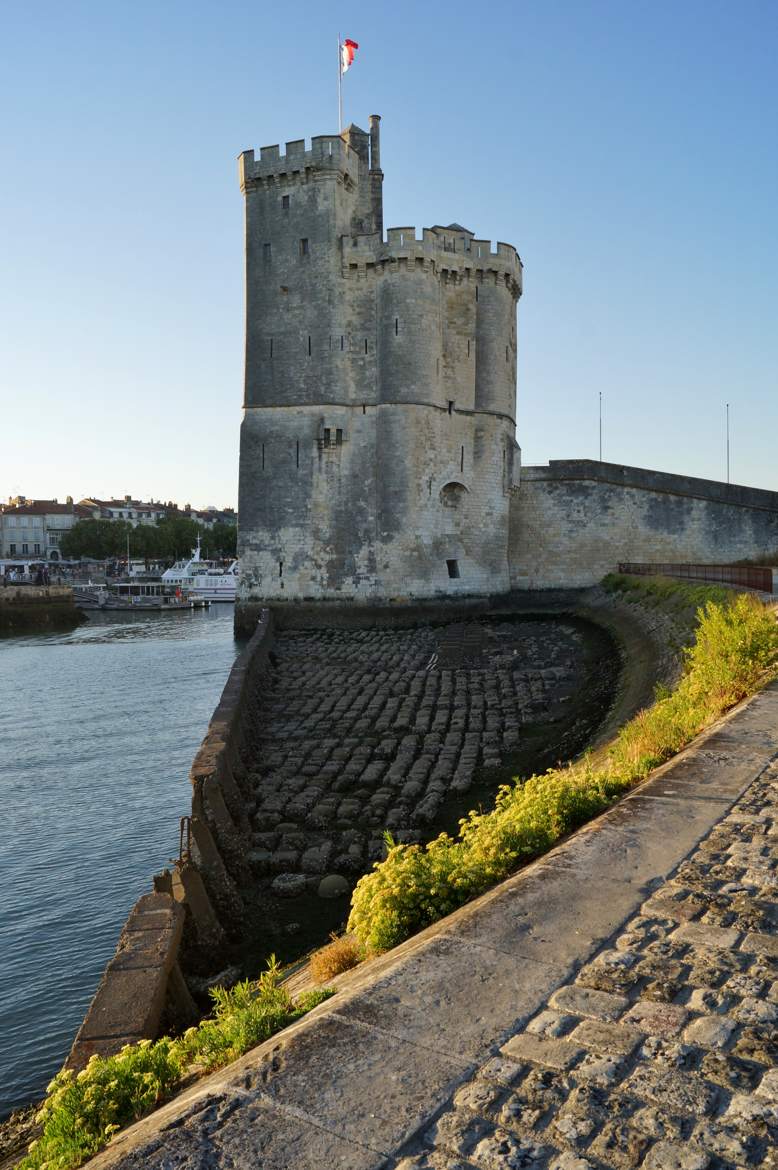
(98, 728)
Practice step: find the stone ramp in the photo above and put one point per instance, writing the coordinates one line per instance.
(614, 1005)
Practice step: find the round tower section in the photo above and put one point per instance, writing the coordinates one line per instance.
(497, 289)
(408, 324)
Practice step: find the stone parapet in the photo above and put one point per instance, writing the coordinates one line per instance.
(130, 1000)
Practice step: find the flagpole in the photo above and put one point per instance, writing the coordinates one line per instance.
(340, 88)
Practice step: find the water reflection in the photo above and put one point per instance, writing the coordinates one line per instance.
(97, 731)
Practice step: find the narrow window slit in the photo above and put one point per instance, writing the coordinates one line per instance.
(462, 459)
(298, 453)
(309, 345)
(396, 326)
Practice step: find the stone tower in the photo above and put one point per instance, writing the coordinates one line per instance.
(378, 447)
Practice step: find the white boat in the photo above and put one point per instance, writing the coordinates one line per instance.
(202, 578)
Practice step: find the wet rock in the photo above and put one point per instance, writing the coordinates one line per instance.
(333, 886)
(288, 885)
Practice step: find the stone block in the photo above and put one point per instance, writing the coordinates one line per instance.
(585, 1001)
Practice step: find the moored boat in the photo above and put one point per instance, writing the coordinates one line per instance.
(205, 579)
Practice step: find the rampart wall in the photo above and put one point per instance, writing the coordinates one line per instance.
(576, 520)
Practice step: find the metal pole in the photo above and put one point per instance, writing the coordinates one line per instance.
(340, 89)
(727, 442)
(601, 426)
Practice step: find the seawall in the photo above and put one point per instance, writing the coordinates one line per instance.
(574, 520)
(195, 912)
(27, 608)
(184, 921)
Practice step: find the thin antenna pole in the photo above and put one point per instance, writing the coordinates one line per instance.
(727, 442)
(601, 426)
(340, 88)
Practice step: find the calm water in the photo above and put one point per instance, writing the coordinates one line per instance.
(97, 732)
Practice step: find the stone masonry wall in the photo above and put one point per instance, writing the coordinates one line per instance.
(575, 520)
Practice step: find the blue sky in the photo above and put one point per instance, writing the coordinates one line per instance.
(627, 148)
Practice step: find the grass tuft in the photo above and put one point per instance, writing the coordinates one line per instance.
(735, 653)
(341, 954)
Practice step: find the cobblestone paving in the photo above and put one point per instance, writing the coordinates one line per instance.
(368, 730)
(662, 1053)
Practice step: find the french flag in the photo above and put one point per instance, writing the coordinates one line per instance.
(347, 52)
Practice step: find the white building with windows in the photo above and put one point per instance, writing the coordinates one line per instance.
(31, 530)
(134, 512)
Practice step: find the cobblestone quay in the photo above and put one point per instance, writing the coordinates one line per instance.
(662, 1052)
(405, 730)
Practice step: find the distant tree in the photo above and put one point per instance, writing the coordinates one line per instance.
(168, 540)
(98, 539)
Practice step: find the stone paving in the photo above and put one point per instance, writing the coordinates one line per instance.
(662, 1052)
(370, 730)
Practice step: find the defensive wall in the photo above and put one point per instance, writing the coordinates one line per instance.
(575, 520)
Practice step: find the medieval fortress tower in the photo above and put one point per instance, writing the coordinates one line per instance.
(378, 449)
(378, 454)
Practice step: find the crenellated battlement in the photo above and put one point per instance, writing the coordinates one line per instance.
(440, 249)
(328, 152)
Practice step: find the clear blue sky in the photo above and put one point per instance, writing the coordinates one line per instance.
(626, 148)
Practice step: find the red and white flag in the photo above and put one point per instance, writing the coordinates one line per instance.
(347, 51)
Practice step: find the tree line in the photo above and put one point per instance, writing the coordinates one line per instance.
(167, 540)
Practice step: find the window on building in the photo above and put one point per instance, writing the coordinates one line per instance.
(450, 406)
(453, 568)
(25, 549)
(267, 250)
(285, 202)
(12, 550)
(338, 437)
(327, 436)
(36, 548)
(304, 249)
(309, 345)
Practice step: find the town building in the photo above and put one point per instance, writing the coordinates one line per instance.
(131, 511)
(32, 529)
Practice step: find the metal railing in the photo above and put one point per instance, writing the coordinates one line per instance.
(749, 576)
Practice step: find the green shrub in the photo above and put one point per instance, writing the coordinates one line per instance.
(735, 652)
(84, 1110)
